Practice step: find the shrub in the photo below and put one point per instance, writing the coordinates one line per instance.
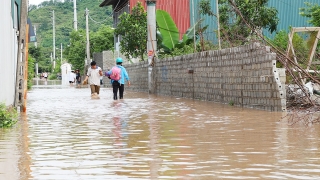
(231, 103)
(52, 76)
(8, 116)
(31, 73)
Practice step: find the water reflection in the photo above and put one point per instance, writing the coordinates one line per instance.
(73, 136)
(42, 83)
(24, 160)
(9, 153)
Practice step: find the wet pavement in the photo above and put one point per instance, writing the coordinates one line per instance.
(67, 135)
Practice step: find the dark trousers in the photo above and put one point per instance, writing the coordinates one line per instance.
(116, 85)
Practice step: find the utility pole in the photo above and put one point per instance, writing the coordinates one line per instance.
(36, 45)
(22, 60)
(118, 45)
(88, 42)
(35, 33)
(218, 19)
(194, 31)
(54, 40)
(151, 44)
(61, 54)
(75, 20)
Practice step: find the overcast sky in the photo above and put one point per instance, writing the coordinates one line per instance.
(36, 2)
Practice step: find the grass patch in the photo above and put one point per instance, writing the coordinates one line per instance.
(8, 116)
(231, 103)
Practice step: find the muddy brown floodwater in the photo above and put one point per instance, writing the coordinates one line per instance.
(67, 135)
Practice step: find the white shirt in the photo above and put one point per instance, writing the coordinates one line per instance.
(94, 76)
(72, 76)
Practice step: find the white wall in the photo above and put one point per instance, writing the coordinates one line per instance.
(65, 73)
(8, 52)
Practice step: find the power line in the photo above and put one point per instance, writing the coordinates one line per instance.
(100, 22)
(108, 16)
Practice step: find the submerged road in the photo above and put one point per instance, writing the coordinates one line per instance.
(67, 135)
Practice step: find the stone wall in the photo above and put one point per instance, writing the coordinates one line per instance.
(244, 76)
(138, 74)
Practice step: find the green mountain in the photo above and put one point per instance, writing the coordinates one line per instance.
(41, 17)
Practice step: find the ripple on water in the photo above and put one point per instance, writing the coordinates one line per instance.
(154, 137)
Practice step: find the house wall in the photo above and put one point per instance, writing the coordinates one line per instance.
(8, 51)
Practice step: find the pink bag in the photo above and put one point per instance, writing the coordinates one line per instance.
(115, 73)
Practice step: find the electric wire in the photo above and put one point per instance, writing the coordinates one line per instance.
(108, 16)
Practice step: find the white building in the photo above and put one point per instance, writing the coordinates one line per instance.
(9, 31)
(65, 73)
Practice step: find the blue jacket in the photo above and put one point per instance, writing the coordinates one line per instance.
(124, 74)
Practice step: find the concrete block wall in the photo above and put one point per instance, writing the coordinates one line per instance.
(108, 60)
(138, 74)
(245, 76)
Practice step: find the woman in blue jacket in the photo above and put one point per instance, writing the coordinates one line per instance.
(119, 84)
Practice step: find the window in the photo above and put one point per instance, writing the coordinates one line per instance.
(15, 18)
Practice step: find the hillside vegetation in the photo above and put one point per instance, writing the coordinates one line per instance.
(41, 17)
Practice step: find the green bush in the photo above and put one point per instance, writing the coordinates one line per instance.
(31, 73)
(8, 116)
(187, 49)
(231, 103)
(52, 76)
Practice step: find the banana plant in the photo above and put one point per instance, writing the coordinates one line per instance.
(167, 28)
(168, 33)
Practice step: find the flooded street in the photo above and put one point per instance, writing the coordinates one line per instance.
(67, 135)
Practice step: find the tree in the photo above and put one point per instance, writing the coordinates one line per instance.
(133, 31)
(313, 12)
(31, 72)
(44, 63)
(101, 40)
(254, 12)
(35, 52)
(42, 18)
(281, 40)
(75, 53)
(32, 7)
